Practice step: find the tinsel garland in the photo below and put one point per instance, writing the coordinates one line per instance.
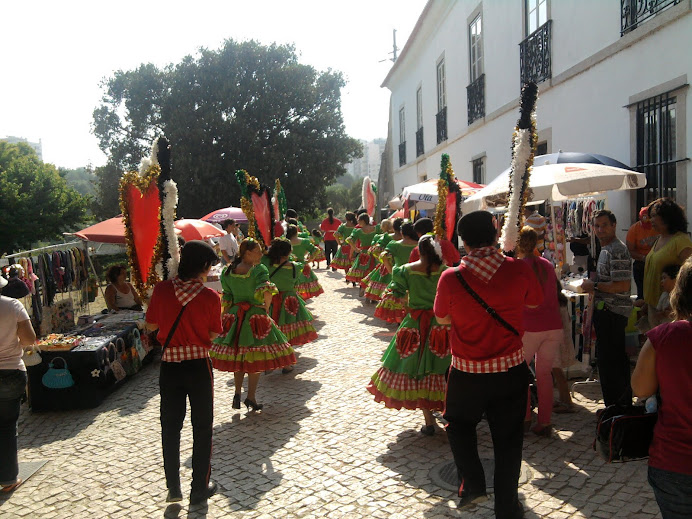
(281, 197)
(170, 202)
(445, 184)
(524, 142)
(246, 180)
(142, 181)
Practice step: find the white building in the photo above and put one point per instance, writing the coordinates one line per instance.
(37, 146)
(612, 77)
(369, 163)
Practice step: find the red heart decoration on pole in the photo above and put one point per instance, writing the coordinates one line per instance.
(262, 206)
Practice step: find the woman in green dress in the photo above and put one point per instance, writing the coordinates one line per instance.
(373, 284)
(392, 306)
(308, 286)
(340, 260)
(362, 262)
(413, 369)
(250, 342)
(287, 307)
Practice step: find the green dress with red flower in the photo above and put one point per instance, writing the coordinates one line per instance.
(341, 260)
(308, 286)
(288, 309)
(413, 369)
(250, 342)
(378, 279)
(364, 262)
(392, 307)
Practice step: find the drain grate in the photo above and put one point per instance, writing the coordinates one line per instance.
(444, 475)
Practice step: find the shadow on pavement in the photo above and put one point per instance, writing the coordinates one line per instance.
(245, 443)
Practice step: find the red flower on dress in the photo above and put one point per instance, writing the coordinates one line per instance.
(260, 325)
(291, 305)
(306, 270)
(364, 258)
(227, 322)
(407, 341)
(439, 341)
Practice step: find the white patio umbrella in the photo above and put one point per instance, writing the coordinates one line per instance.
(424, 194)
(561, 181)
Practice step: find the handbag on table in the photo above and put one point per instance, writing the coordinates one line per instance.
(57, 378)
(116, 365)
(31, 357)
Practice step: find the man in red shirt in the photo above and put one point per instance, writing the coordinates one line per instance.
(488, 374)
(188, 317)
(450, 253)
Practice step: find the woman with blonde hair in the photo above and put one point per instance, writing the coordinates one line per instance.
(542, 330)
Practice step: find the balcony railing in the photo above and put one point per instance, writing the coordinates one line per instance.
(441, 120)
(420, 149)
(475, 96)
(534, 55)
(402, 153)
(633, 12)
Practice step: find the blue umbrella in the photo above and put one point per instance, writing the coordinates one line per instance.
(575, 157)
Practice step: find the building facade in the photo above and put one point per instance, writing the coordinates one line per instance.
(369, 164)
(612, 77)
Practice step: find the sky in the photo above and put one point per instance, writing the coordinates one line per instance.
(56, 54)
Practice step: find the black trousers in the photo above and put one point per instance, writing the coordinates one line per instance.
(611, 356)
(638, 275)
(179, 381)
(502, 397)
(330, 247)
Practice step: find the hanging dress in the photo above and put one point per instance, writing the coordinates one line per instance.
(364, 262)
(250, 342)
(308, 286)
(393, 306)
(378, 279)
(288, 308)
(413, 369)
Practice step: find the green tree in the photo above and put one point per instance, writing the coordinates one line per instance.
(106, 202)
(81, 180)
(243, 106)
(36, 203)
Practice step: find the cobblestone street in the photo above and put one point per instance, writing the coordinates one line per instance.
(321, 447)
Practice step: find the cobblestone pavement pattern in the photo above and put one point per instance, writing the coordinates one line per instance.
(320, 448)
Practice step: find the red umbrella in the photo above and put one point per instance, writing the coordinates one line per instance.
(227, 213)
(197, 229)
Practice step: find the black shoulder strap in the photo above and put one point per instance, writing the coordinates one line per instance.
(277, 269)
(175, 325)
(485, 305)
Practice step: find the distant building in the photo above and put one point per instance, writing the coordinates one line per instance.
(369, 164)
(36, 145)
(613, 79)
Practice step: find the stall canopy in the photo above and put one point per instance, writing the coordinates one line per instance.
(113, 230)
(424, 195)
(559, 182)
(227, 213)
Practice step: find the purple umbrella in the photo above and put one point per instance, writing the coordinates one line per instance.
(227, 213)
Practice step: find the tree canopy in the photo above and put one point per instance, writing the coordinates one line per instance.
(243, 106)
(36, 204)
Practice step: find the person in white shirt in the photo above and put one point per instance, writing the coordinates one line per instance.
(228, 244)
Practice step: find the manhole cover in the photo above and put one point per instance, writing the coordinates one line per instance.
(445, 474)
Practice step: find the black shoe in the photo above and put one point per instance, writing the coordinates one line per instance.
(428, 430)
(252, 406)
(200, 496)
(471, 499)
(174, 495)
(236, 401)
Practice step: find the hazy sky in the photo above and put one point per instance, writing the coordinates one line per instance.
(55, 55)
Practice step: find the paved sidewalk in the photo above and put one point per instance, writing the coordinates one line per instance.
(320, 448)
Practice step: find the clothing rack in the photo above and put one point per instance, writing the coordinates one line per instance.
(45, 249)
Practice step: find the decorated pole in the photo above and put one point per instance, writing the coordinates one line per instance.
(168, 193)
(256, 203)
(524, 143)
(448, 210)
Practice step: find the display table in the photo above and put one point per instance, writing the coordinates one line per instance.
(213, 279)
(90, 364)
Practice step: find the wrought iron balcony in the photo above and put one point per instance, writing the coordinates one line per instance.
(402, 153)
(420, 149)
(475, 97)
(534, 55)
(441, 120)
(633, 12)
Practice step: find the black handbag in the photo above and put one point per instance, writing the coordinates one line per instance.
(624, 433)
